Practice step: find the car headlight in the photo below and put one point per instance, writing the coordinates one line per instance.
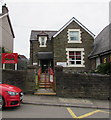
(12, 93)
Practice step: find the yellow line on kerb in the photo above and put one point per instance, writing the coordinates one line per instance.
(71, 113)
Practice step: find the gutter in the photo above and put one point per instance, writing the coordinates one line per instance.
(100, 54)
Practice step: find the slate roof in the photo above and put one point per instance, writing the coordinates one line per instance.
(1, 14)
(22, 56)
(102, 42)
(7, 14)
(35, 33)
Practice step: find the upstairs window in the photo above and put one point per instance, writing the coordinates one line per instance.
(42, 41)
(74, 36)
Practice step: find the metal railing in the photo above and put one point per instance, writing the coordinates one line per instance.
(39, 74)
(51, 78)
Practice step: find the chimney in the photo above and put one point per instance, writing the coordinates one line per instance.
(4, 9)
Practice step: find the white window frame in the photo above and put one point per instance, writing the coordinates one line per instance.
(74, 41)
(82, 57)
(40, 41)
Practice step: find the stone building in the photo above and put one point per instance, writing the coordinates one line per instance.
(102, 48)
(69, 47)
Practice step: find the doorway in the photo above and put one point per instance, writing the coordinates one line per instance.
(45, 64)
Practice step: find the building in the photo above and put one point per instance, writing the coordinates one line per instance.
(6, 30)
(69, 47)
(102, 48)
(22, 62)
(41, 49)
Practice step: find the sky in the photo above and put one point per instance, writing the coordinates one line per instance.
(27, 15)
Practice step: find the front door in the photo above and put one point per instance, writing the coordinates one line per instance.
(45, 64)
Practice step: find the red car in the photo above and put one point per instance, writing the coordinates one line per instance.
(10, 96)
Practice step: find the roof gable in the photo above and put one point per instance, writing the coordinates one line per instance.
(10, 26)
(35, 33)
(102, 42)
(80, 24)
(5, 13)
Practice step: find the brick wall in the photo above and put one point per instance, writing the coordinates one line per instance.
(82, 85)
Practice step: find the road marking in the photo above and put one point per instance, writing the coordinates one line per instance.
(71, 113)
(85, 115)
(105, 112)
(88, 114)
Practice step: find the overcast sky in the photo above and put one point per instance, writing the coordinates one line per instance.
(52, 15)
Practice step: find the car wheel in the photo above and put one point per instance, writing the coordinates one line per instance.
(1, 103)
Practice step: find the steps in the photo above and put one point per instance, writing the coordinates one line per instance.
(44, 81)
(45, 87)
(45, 92)
(44, 77)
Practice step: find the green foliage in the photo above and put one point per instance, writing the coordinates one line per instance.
(104, 68)
(3, 50)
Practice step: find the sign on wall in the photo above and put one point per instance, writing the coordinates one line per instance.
(9, 58)
(34, 63)
(64, 64)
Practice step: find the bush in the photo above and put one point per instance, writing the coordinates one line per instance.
(104, 68)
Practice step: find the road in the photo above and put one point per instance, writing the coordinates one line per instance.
(38, 111)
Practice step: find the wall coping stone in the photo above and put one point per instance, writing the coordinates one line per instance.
(31, 67)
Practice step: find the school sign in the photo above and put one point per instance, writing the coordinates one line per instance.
(9, 58)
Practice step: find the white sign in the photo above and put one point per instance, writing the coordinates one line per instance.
(64, 64)
(34, 63)
(51, 78)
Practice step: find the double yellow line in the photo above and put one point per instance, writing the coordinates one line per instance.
(85, 115)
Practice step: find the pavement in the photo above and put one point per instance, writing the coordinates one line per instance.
(66, 102)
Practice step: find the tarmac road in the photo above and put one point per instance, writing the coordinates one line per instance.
(39, 111)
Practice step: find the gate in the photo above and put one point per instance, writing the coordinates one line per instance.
(46, 84)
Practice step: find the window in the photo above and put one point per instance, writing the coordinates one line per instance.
(75, 57)
(74, 36)
(42, 41)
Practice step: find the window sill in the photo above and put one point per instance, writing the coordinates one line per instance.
(42, 46)
(74, 41)
(76, 66)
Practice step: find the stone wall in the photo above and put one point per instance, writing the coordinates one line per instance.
(24, 79)
(82, 85)
(14, 77)
(30, 82)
